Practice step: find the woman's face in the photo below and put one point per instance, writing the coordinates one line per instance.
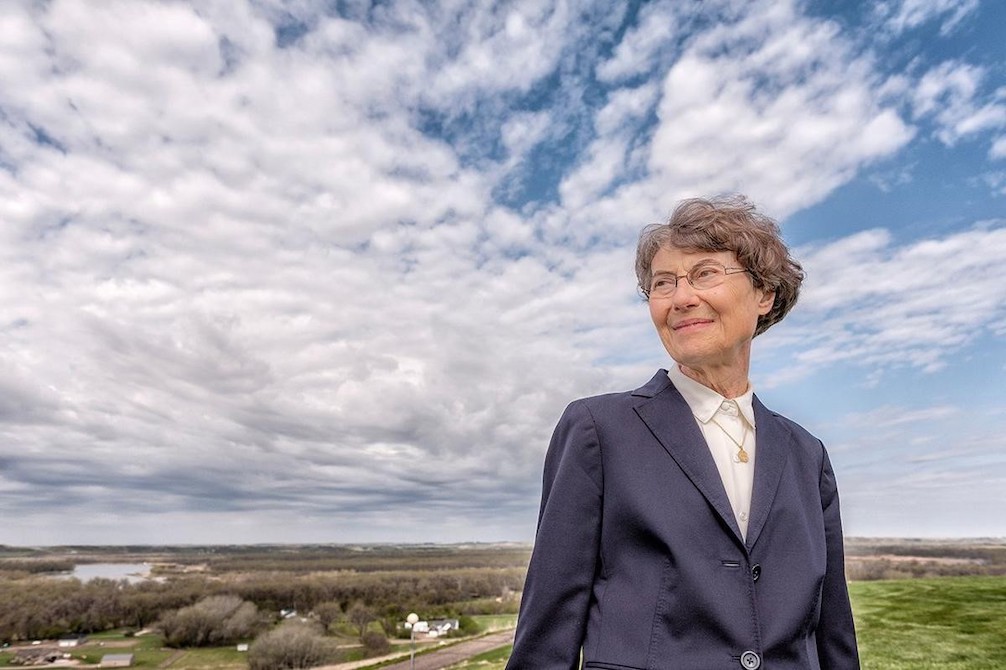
(712, 328)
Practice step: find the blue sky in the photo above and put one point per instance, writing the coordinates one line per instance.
(329, 271)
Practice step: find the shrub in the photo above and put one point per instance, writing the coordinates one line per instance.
(375, 643)
(468, 625)
(214, 620)
(291, 646)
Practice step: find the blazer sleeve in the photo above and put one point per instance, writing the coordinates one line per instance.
(560, 577)
(836, 633)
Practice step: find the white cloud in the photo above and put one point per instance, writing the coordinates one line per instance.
(870, 303)
(609, 158)
(244, 279)
(639, 49)
(900, 16)
(510, 49)
(892, 416)
(786, 113)
(951, 94)
(523, 131)
(995, 180)
(900, 463)
(998, 149)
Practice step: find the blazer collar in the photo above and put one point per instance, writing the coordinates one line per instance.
(670, 420)
(655, 386)
(773, 443)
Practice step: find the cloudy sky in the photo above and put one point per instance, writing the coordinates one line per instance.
(313, 271)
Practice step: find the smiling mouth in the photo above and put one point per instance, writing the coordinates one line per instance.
(683, 325)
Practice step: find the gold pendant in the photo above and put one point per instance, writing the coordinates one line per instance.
(742, 456)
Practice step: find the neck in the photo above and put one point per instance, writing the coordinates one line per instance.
(728, 383)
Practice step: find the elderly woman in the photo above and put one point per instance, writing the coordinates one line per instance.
(683, 525)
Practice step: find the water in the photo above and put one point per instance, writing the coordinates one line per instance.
(133, 572)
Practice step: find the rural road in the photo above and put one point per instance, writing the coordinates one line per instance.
(448, 656)
(456, 653)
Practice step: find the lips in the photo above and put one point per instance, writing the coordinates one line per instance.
(689, 323)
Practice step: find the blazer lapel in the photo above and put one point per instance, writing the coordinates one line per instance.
(771, 453)
(669, 418)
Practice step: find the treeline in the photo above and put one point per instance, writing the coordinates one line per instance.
(13, 568)
(39, 608)
(35, 608)
(867, 569)
(283, 558)
(989, 554)
(868, 559)
(410, 589)
(368, 558)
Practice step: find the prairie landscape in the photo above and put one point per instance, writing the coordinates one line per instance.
(918, 603)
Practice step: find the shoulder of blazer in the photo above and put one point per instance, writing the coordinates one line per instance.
(798, 434)
(612, 404)
(657, 384)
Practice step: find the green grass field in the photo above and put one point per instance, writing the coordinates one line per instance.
(148, 653)
(948, 623)
(491, 622)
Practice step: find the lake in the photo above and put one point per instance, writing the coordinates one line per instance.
(133, 572)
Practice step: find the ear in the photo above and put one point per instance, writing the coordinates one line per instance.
(766, 302)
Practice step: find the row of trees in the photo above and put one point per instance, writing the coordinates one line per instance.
(868, 568)
(36, 566)
(298, 643)
(221, 620)
(379, 558)
(41, 608)
(33, 608)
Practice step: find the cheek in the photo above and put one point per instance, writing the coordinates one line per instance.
(658, 314)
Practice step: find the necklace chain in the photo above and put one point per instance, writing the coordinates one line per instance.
(742, 456)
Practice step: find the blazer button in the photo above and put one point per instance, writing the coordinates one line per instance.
(756, 571)
(750, 660)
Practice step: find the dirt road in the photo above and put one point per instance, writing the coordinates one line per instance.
(456, 653)
(442, 658)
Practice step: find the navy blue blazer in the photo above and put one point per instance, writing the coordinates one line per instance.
(638, 561)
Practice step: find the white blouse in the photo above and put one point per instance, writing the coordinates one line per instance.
(725, 424)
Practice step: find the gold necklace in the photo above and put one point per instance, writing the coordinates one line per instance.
(742, 456)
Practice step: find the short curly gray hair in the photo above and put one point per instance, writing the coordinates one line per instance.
(727, 223)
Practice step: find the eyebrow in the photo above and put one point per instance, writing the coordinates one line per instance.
(697, 264)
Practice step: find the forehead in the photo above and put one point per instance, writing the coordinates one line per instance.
(674, 259)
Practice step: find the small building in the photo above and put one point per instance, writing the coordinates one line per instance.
(35, 656)
(444, 626)
(116, 660)
(71, 641)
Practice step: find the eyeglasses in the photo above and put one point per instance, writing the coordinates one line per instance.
(702, 276)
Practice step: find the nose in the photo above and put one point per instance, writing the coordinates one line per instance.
(685, 296)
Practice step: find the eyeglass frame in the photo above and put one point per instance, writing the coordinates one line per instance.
(727, 271)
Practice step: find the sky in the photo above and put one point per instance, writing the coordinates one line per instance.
(305, 271)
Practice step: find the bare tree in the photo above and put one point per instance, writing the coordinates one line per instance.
(327, 613)
(212, 620)
(360, 616)
(290, 646)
